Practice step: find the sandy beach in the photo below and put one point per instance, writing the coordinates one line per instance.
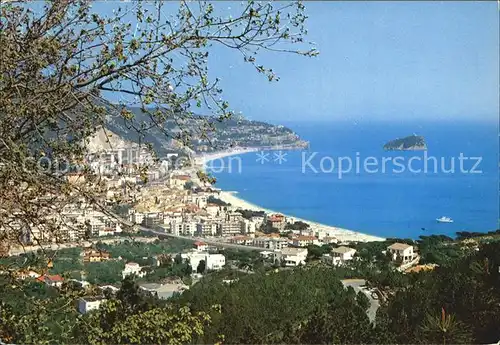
(343, 235)
(203, 159)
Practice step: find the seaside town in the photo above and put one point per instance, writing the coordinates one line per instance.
(122, 123)
(213, 230)
(180, 202)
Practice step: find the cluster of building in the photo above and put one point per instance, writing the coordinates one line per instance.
(173, 198)
(276, 241)
(246, 134)
(73, 223)
(288, 255)
(77, 220)
(200, 252)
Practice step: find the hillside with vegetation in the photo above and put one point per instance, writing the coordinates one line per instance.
(202, 133)
(458, 302)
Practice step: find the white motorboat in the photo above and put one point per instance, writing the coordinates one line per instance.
(444, 219)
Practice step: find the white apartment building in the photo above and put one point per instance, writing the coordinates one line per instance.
(304, 241)
(278, 243)
(87, 304)
(233, 217)
(200, 200)
(248, 227)
(212, 261)
(135, 217)
(212, 209)
(215, 262)
(153, 219)
(99, 224)
(401, 250)
(241, 240)
(291, 257)
(270, 243)
(172, 217)
(176, 228)
(132, 268)
(206, 228)
(339, 256)
(184, 228)
(188, 228)
(229, 228)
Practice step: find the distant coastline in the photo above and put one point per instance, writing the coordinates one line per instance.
(202, 159)
(343, 235)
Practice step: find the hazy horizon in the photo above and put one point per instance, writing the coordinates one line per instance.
(378, 61)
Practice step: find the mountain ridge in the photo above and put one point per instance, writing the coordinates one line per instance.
(188, 134)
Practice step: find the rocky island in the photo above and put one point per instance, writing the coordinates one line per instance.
(411, 143)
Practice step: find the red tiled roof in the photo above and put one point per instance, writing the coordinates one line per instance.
(276, 218)
(199, 243)
(191, 208)
(55, 278)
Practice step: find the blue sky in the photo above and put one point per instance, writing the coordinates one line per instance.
(378, 60)
(381, 60)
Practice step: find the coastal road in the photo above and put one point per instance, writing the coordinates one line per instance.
(359, 285)
(189, 238)
(57, 246)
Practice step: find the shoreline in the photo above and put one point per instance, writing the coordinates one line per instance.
(205, 158)
(342, 234)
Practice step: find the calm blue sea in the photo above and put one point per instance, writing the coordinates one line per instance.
(387, 203)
